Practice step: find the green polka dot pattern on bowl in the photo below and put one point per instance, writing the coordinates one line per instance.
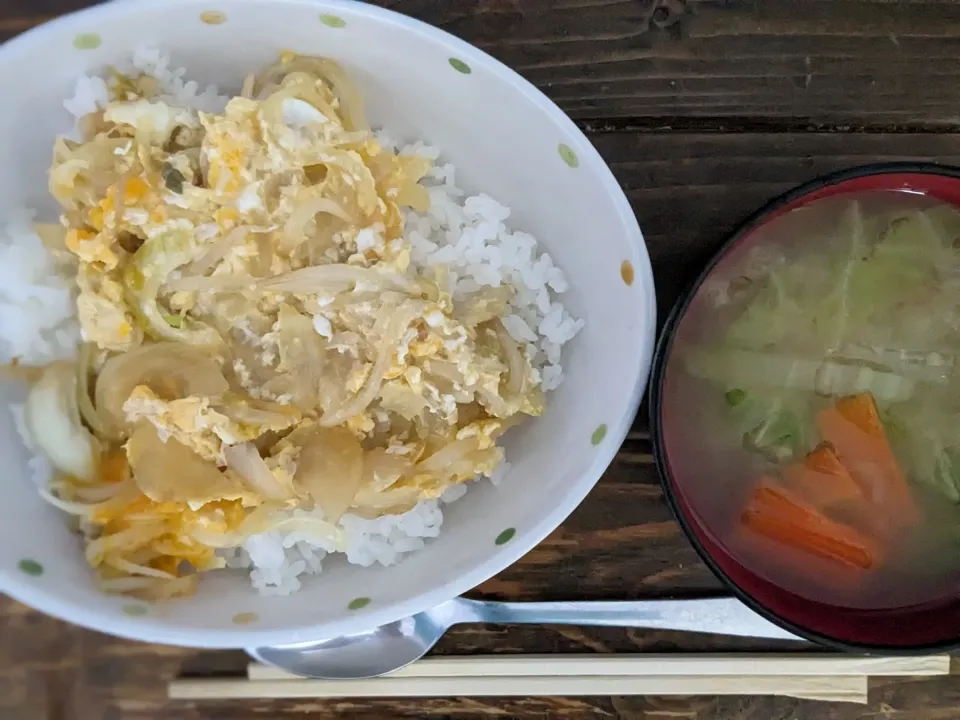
(333, 21)
(598, 435)
(460, 66)
(358, 603)
(506, 536)
(568, 155)
(30, 567)
(213, 17)
(245, 618)
(134, 610)
(87, 41)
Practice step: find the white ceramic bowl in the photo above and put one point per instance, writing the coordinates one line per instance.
(507, 140)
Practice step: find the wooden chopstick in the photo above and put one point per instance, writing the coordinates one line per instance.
(852, 689)
(687, 665)
(828, 677)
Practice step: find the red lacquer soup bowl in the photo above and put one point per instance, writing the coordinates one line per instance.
(688, 462)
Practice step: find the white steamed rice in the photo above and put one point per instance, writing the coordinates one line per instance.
(466, 233)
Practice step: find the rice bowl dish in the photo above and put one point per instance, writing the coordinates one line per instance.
(529, 173)
(262, 333)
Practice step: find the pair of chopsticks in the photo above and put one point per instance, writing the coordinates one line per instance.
(834, 678)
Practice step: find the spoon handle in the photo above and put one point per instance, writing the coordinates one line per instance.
(721, 616)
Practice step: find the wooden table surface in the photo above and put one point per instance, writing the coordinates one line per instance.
(704, 109)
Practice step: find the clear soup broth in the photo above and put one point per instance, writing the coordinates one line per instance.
(812, 400)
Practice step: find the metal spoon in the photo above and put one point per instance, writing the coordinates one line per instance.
(390, 647)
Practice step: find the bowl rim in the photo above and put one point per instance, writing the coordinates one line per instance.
(147, 629)
(656, 391)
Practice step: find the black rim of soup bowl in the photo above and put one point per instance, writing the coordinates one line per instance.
(658, 372)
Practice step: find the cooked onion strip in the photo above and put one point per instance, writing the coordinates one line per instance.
(296, 224)
(185, 369)
(138, 570)
(244, 459)
(52, 418)
(392, 335)
(330, 470)
(71, 508)
(125, 540)
(88, 412)
(217, 251)
(452, 454)
(516, 363)
(215, 283)
(320, 278)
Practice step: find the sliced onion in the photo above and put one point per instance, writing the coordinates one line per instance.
(128, 494)
(99, 494)
(303, 214)
(516, 363)
(246, 89)
(320, 278)
(394, 501)
(139, 570)
(351, 100)
(446, 370)
(216, 283)
(171, 472)
(125, 540)
(270, 414)
(381, 469)
(53, 420)
(245, 460)
(313, 526)
(330, 470)
(71, 508)
(390, 340)
(264, 256)
(166, 368)
(484, 305)
(85, 404)
(216, 252)
(450, 455)
(166, 589)
(217, 540)
(268, 518)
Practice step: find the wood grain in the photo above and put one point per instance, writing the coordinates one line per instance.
(719, 63)
(691, 190)
(704, 109)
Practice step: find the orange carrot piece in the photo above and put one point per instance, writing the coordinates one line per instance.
(821, 479)
(854, 429)
(780, 563)
(861, 410)
(777, 514)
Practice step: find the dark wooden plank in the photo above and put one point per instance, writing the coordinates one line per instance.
(720, 63)
(690, 191)
(64, 673)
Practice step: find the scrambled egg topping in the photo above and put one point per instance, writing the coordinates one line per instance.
(318, 370)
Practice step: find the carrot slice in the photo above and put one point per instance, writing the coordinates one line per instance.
(821, 479)
(861, 410)
(777, 514)
(854, 429)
